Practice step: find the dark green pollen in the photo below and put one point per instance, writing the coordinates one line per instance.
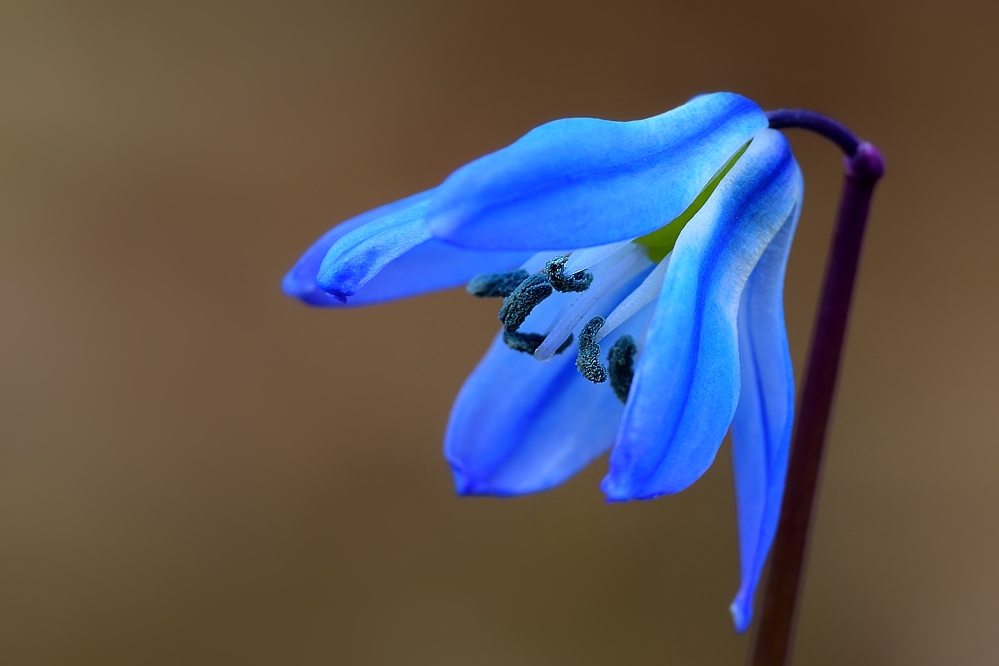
(588, 360)
(621, 365)
(578, 281)
(529, 342)
(522, 293)
(495, 285)
(522, 300)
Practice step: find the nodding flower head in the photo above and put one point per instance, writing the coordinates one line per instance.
(641, 267)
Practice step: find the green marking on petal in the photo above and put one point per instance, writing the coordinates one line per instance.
(661, 241)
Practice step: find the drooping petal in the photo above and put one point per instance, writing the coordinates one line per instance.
(521, 426)
(761, 428)
(431, 266)
(582, 182)
(361, 254)
(686, 384)
(300, 281)
(384, 255)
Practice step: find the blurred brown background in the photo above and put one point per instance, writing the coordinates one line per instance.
(195, 469)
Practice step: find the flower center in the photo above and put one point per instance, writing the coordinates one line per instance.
(593, 280)
(612, 279)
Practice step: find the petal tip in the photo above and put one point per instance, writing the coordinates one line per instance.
(292, 287)
(309, 293)
(742, 615)
(467, 485)
(619, 490)
(332, 282)
(463, 485)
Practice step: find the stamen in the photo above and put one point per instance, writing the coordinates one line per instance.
(528, 342)
(621, 365)
(627, 267)
(494, 285)
(644, 294)
(518, 305)
(591, 256)
(588, 360)
(555, 270)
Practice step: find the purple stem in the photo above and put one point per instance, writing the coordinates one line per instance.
(816, 122)
(864, 166)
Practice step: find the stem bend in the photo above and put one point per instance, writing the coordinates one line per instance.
(863, 165)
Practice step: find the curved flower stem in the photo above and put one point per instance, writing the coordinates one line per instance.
(864, 166)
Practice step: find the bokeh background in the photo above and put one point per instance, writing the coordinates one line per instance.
(195, 469)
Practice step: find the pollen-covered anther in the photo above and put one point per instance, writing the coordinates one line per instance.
(621, 366)
(529, 342)
(495, 285)
(588, 360)
(522, 300)
(578, 281)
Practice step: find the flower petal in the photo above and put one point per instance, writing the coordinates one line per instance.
(384, 255)
(364, 252)
(686, 383)
(431, 266)
(521, 426)
(761, 429)
(300, 281)
(581, 182)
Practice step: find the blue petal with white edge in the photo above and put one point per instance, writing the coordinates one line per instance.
(761, 429)
(581, 182)
(300, 282)
(372, 259)
(686, 383)
(521, 426)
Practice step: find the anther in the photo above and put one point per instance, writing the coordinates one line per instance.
(518, 305)
(578, 281)
(529, 342)
(494, 285)
(621, 366)
(588, 360)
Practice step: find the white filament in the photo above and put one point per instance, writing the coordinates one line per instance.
(645, 293)
(589, 256)
(624, 268)
(597, 269)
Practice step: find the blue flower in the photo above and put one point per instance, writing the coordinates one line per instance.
(662, 241)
